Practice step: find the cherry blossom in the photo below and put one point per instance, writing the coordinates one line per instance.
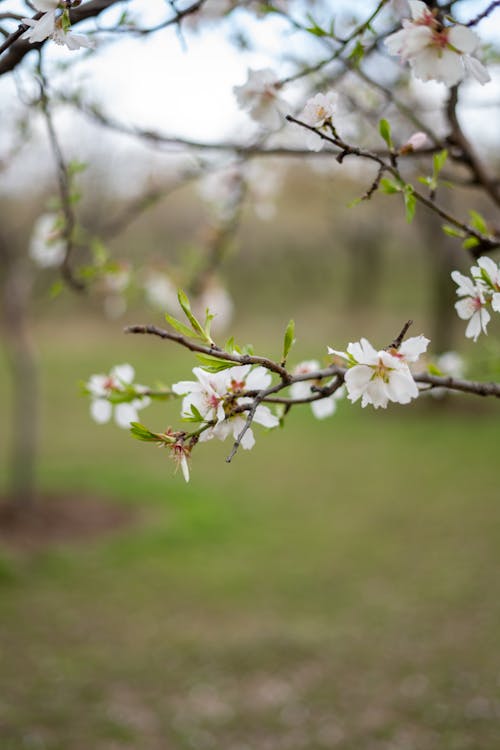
(434, 51)
(104, 388)
(51, 26)
(472, 306)
(160, 291)
(318, 113)
(205, 394)
(260, 98)
(321, 408)
(378, 377)
(488, 272)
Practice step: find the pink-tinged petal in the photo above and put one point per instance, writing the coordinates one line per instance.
(265, 417)
(465, 308)
(463, 39)
(124, 373)
(258, 379)
(344, 355)
(357, 380)
(389, 361)
(449, 67)
(100, 410)
(186, 386)
(207, 435)
(41, 29)
(495, 302)
(476, 69)
(465, 285)
(124, 415)
(324, 408)
(185, 468)
(418, 41)
(412, 348)
(418, 9)
(401, 387)
(395, 43)
(363, 352)
(491, 269)
(375, 394)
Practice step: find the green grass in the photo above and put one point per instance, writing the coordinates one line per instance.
(337, 587)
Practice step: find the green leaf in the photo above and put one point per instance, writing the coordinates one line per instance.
(139, 432)
(410, 203)
(178, 326)
(56, 289)
(195, 323)
(357, 53)
(470, 242)
(433, 370)
(452, 231)
(385, 131)
(390, 186)
(214, 364)
(478, 222)
(438, 161)
(289, 339)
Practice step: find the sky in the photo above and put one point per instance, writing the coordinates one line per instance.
(183, 85)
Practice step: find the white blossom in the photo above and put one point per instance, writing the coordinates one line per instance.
(472, 306)
(50, 26)
(488, 272)
(259, 96)
(47, 248)
(378, 377)
(103, 387)
(321, 408)
(318, 113)
(211, 393)
(206, 394)
(434, 51)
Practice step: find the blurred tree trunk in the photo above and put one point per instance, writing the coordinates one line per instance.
(443, 255)
(15, 284)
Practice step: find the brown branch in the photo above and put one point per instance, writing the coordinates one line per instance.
(64, 183)
(469, 157)
(345, 149)
(213, 351)
(19, 48)
(491, 7)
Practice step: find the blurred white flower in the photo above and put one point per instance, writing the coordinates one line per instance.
(318, 113)
(102, 388)
(321, 408)
(160, 291)
(434, 51)
(259, 96)
(378, 377)
(472, 306)
(216, 299)
(47, 248)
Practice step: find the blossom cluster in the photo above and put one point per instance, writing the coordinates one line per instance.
(478, 293)
(215, 400)
(378, 377)
(54, 24)
(116, 392)
(435, 51)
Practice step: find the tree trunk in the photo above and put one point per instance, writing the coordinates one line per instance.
(16, 285)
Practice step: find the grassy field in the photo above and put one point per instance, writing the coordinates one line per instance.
(337, 587)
